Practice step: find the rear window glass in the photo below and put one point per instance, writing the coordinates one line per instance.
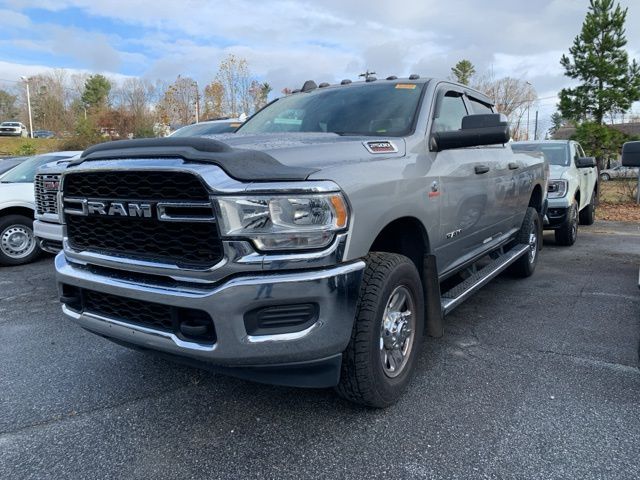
(555, 153)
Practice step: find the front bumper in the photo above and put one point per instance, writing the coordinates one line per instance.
(555, 218)
(49, 235)
(334, 290)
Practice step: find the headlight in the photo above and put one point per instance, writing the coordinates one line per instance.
(557, 188)
(283, 222)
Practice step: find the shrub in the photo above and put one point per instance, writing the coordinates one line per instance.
(25, 149)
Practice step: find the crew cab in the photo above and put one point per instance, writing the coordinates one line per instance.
(313, 247)
(573, 186)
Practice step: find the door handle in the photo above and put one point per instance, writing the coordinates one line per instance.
(480, 169)
(513, 166)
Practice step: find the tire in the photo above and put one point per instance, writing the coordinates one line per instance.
(530, 233)
(18, 245)
(605, 177)
(368, 376)
(588, 213)
(567, 234)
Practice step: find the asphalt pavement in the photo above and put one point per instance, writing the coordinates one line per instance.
(534, 378)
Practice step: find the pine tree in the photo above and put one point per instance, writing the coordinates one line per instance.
(463, 71)
(96, 91)
(609, 83)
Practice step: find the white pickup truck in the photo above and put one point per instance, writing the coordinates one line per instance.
(573, 186)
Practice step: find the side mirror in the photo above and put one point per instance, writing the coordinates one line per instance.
(585, 162)
(477, 130)
(631, 154)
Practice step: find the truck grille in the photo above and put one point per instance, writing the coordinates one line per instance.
(186, 243)
(46, 192)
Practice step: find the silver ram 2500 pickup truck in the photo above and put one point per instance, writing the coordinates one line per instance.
(316, 246)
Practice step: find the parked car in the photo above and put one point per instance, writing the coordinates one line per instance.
(306, 250)
(573, 187)
(13, 129)
(17, 241)
(8, 163)
(618, 172)
(208, 127)
(44, 134)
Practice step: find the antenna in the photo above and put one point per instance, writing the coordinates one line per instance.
(367, 74)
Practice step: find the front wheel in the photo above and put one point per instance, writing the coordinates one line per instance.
(387, 332)
(605, 177)
(17, 243)
(588, 213)
(567, 234)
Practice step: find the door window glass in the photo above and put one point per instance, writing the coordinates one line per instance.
(452, 110)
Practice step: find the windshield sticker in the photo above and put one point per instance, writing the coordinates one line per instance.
(406, 86)
(380, 147)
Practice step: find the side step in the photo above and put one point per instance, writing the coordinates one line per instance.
(458, 294)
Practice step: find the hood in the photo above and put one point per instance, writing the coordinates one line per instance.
(556, 172)
(312, 150)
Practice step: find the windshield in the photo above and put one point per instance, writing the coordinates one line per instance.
(206, 128)
(26, 171)
(555, 153)
(10, 124)
(364, 109)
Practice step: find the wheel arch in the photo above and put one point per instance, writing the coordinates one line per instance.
(17, 210)
(406, 236)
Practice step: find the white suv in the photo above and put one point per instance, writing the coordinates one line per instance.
(13, 129)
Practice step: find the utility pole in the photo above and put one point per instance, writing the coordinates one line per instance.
(535, 131)
(26, 81)
(195, 84)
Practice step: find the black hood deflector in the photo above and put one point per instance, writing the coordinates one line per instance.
(241, 164)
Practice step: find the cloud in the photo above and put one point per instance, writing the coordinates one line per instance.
(287, 42)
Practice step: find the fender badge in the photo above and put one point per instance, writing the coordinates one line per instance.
(384, 146)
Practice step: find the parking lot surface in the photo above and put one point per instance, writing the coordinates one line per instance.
(535, 378)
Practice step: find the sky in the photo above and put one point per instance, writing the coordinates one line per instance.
(287, 42)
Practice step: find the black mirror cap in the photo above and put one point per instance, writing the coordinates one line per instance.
(586, 162)
(631, 154)
(476, 131)
(484, 120)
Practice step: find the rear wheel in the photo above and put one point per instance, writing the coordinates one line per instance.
(605, 177)
(17, 243)
(387, 332)
(530, 234)
(567, 234)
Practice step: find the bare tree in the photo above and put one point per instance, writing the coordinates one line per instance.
(513, 97)
(178, 104)
(214, 100)
(233, 74)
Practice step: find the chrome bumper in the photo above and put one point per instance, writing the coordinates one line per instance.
(334, 289)
(48, 230)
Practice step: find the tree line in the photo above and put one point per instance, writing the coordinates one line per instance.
(86, 109)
